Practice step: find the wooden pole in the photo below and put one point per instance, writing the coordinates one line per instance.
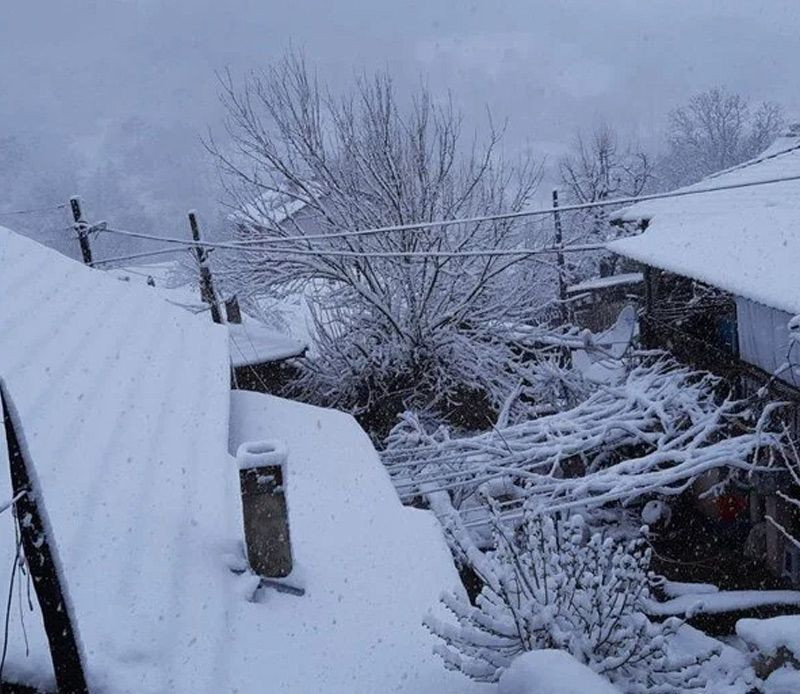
(206, 284)
(82, 228)
(559, 241)
(56, 611)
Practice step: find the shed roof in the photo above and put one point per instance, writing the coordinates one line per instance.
(124, 404)
(745, 241)
(251, 342)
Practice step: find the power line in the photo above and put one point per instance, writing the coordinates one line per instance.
(33, 211)
(529, 213)
(425, 255)
(246, 245)
(134, 256)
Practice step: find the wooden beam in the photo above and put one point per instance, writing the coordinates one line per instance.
(40, 553)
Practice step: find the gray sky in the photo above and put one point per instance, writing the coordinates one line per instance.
(126, 87)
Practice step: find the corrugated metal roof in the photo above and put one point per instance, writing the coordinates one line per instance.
(745, 241)
(124, 403)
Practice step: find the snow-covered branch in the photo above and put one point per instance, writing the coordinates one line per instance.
(654, 433)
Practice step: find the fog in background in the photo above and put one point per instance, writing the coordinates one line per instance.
(110, 99)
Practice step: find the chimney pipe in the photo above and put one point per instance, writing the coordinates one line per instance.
(262, 476)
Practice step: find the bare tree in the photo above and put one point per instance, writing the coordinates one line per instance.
(715, 130)
(599, 168)
(390, 329)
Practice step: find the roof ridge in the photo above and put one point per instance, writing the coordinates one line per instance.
(751, 162)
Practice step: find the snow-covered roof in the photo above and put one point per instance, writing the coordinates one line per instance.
(745, 241)
(275, 206)
(251, 342)
(371, 569)
(124, 404)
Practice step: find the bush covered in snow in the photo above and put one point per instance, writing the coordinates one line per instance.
(419, 316)
(553, 584)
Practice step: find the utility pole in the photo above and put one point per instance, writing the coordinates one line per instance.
(82, 228)
(206, 284)
(559, 238)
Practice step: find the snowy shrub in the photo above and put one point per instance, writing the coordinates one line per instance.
(553, 584)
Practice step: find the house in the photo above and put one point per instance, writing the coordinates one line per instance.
(721, 285)
(288, 210)
(130, 422)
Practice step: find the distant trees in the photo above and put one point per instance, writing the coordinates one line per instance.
(600, 167)
(714, 130)
(391, 331)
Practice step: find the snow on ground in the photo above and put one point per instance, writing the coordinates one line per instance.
(785, 680)
(124, 402)
(371, 569)
(552, 672)
(768, 635)
(726, 669)
(745, 241)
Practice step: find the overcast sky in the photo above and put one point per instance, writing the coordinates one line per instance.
(132, 81)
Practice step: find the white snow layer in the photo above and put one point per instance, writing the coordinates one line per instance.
(722, 601)
(125, 403)
(371, 569)
(784, 680)
(549, 671)
(745, 241)
(251, 342)
(768, 635)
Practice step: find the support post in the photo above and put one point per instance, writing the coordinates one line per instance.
(58, 621)
(232, 310)
(82, 228)
(206, 284)
(560, 263)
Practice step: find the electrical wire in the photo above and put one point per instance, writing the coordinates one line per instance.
(161, 251)
(332, 253)
(249, 245)
(536, 212)
(38, 210)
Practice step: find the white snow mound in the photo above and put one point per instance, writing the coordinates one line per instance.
(552, 672)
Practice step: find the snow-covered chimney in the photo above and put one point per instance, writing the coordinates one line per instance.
(262, 472)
